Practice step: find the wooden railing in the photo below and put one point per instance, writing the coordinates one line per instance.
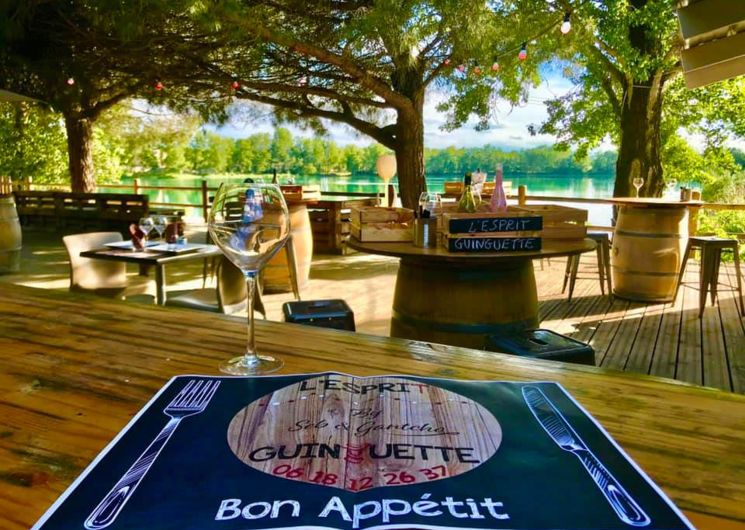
(204, 190)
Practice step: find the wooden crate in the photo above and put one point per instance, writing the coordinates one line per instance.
(559, 222)
(294, 192)
(380, 214)
(373, 223)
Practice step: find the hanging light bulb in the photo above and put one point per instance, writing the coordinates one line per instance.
(477, 70)
(235, 85)
(495, 67)
(158, 85)
(70, 81)
(447, 62)
(566, 26)
(523, 52)
(461, 67)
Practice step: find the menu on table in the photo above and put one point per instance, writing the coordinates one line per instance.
(335, 451)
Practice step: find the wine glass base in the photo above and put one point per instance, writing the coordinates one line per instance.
(243, 365)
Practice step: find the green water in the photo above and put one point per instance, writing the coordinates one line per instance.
(595, 186)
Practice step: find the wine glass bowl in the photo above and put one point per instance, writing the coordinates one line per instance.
(431, 202)
(146, 226)
(638, 182)
(159, 224)
(250, 223)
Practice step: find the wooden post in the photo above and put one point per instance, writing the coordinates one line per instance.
(205, 201)
(27, 181)
(135, 186)
(693, 214)
(522, 191)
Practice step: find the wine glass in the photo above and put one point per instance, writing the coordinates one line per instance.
(430, 201)
(160, 222)
(146, 226)
(638, 182)
(249, 223)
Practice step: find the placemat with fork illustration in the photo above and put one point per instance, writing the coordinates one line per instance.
(335, 451)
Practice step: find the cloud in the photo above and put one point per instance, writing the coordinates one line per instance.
(508, 125)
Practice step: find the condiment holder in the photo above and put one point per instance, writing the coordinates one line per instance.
(425, 232)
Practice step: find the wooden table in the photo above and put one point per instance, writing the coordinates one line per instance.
(76, 368)
(462, 298)
(648, 246)
(151, 258)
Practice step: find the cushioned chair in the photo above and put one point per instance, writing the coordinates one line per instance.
(229, 297)
(106, 278)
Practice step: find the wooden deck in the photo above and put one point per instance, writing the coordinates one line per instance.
(666, 340)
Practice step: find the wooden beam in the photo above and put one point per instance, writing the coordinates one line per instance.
(714, 61)
(714, 34)
(710, 16)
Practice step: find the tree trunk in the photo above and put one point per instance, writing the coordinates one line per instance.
(639, 152)
(80, 153)
(410, 156)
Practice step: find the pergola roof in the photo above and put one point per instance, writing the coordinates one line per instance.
(13, 97)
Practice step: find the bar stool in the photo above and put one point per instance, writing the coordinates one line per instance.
(603, 253)
(711, 248)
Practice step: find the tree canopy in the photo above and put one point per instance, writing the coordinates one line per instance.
(623, 58)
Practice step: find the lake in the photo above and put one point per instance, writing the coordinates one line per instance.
(560, 185)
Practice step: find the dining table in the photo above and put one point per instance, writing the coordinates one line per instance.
(76, 368)
(465, 298)
(148, 257)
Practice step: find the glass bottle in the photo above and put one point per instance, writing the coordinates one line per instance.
(498, 197)
(467, 202)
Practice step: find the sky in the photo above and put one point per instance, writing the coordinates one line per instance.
(508, 126)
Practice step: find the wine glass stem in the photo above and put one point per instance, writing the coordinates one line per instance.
(250, 358)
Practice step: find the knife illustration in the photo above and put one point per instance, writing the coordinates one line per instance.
(565, 437)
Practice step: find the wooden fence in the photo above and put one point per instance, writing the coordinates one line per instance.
(204, 190)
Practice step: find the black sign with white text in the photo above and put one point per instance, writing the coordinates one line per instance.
(495, 224)
(493, 244)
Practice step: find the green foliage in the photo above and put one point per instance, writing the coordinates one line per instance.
(32, 143)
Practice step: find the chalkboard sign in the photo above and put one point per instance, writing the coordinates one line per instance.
(479, 225)
(493, 244)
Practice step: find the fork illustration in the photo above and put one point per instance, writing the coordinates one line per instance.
(192, 399)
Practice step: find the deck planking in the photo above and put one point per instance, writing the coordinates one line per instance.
(665, 340)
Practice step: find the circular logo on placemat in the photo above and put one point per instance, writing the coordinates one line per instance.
(361, 433)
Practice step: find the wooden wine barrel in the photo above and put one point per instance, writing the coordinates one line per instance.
(648, 247)
(428, 307)
(10, 236)
(276, 275)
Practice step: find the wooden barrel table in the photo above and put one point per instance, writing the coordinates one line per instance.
(276, 273)
(648, 246)
(10, 236)
(462, 299)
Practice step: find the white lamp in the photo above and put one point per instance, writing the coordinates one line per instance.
(386, 168)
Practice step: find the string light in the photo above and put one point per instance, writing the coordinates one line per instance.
(235, 85)
(477, 70)
(523, 52)
(461, 68)
(70, 81)
(566, 26)
(447, 62)
(495, 67)
(158, 85)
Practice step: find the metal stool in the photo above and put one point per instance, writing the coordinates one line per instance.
(603, 252)
(711, 248)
